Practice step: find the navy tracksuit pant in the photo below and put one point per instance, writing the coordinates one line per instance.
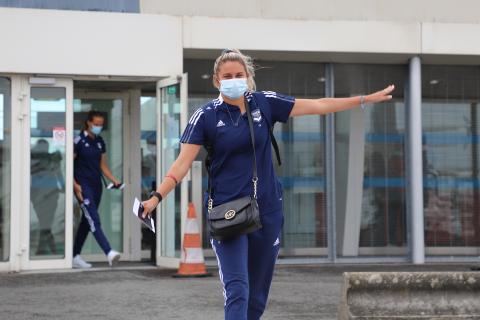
(92, 193)
(246, 265)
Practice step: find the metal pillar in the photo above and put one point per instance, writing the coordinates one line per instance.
(330, 166)
(415, 163)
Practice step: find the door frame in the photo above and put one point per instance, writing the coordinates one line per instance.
(20, 244)
(127, 147)
(182, 80)
(16, 118)
(145, 254)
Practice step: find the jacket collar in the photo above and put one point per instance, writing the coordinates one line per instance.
(219, 101)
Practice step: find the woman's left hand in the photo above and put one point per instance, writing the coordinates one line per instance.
(380, 96)
(118, 185)
(148, 206)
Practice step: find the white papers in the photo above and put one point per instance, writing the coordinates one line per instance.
(138, 211)
(112, 186)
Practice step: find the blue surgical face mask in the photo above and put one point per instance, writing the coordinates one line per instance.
(96, 130)
(233, 88)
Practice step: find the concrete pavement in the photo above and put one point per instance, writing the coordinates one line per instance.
(142, 292)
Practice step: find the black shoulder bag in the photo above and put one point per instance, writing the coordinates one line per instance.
(239, 216)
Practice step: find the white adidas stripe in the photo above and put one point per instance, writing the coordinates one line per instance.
(186, 134)
(193, 125)
(192, 118)
(280, 98)
(89, 218)
(189, 130)
(198, 117)
(217, 102)
(220, 273)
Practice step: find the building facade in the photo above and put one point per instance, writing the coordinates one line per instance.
(398, 181)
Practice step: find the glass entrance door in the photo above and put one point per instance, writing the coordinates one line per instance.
(5, 173)
(148, 171)
(48, 241)
(114, 107)
(171, 121)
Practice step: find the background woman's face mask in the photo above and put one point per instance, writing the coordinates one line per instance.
(233, 88)
(96, 130)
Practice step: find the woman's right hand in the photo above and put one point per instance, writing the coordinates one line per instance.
(77, 188)
(148, 206)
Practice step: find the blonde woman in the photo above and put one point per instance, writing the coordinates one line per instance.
(246, 262)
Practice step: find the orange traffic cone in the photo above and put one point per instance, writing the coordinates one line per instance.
(192, 263)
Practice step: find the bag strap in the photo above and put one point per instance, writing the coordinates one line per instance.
(252, 138)
(270, 128)
(210, 119)
(208, 160)
(274, 144)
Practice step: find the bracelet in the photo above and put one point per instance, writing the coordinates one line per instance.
(172, 177)
(362, 102)
(156, 195)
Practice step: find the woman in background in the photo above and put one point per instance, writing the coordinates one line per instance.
(90, 163)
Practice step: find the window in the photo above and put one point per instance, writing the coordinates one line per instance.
(47, 169)
(382, 225)
(450, 120)
(5, 166)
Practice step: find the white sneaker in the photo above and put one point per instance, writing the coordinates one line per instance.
(113, 257)
(79, 263)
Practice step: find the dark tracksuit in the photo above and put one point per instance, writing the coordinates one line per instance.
(87, 173)
(246, 263)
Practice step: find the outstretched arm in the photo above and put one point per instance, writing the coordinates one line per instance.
(327, 105)
(179, 169)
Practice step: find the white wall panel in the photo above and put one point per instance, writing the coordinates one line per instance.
(464, 11)
(291, 35)
(451, 38)
(89, 43)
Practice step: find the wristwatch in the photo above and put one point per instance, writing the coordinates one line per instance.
(156, 194)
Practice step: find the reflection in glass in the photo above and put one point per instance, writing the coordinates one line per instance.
(384, 205)
(303, 178)
(170, 218)
(111, 205)
(148, 145)
(450, 120)
(383, 211)
(47, 169)
(5, 151)
(302, 144)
